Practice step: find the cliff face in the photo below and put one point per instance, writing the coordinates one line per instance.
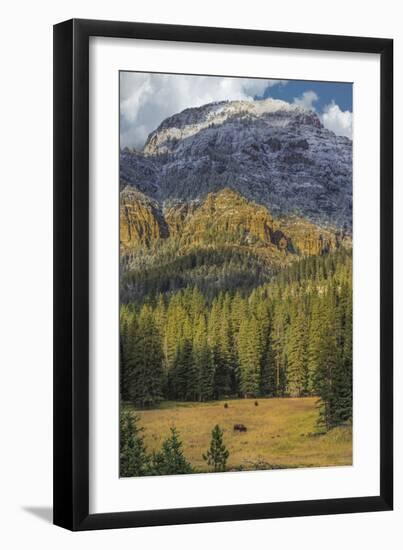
(222, 219)
(141, 220)
(177, 215)
(274, 153)
(228, 217)
(309, 239)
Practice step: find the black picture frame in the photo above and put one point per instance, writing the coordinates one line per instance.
(71, 274)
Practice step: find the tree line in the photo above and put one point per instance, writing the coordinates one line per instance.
(291, 337)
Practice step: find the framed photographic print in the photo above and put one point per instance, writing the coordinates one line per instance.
(223, 274)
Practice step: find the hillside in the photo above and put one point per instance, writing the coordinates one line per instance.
(219, 243)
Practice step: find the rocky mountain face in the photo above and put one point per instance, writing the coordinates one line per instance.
(271, 152)
(141, 220)
(224, 218)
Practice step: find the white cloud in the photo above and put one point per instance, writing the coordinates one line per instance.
(307, 99)
(338, 121)
(332, 117)
(146, 99)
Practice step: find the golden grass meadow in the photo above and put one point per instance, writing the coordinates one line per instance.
(281, 432)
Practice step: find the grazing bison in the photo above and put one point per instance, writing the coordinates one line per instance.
(239, 428)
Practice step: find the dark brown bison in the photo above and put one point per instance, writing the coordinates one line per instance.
(239, 428)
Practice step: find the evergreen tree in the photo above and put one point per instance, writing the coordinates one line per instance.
(316, 334)
(342, 375)
(176, 318)
(160, 314)
(171, 460)
(129, 339)
(217, 455)
(325, 376)
(221, 371)
(346, 404)
(179, 375)
(146, 362)
(203, 361)
(123, 368)
(279, 339)
(250, 355)
(127, 325)
(239, 311)
(226, 350)
(297, 376)
(329, 376)
(134, 460)
(267, 381)
(197, 304)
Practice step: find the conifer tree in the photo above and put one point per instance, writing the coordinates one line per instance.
(203, 361)
(171, 460)
(134, 460)
(207, 373)
(316, 333)
(176, 317)
(279, 339)
(197, 304)
(192, 373)
(297, 376)
(267, 382)
(146, 362)
(239, 311)
(123, 358)
(221, 372)
(179, 373)
(129, 338)
(250, 354)
(325, 377)
(217, 455)
(127, 331)
(329, 376)
(347, 356)
(226, 351)
(342, 376)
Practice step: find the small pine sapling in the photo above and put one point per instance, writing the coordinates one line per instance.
(217, 455)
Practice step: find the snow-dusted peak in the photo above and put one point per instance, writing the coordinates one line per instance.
(273, 112)
(261, 106)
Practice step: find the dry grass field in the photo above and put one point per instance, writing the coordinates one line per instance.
(281, 432)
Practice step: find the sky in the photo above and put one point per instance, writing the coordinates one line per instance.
(146, 99)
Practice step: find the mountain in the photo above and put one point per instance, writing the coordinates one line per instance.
(274, 153)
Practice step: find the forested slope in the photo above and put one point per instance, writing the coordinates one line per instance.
(291, 336)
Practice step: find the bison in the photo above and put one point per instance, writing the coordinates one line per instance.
(239, 428)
